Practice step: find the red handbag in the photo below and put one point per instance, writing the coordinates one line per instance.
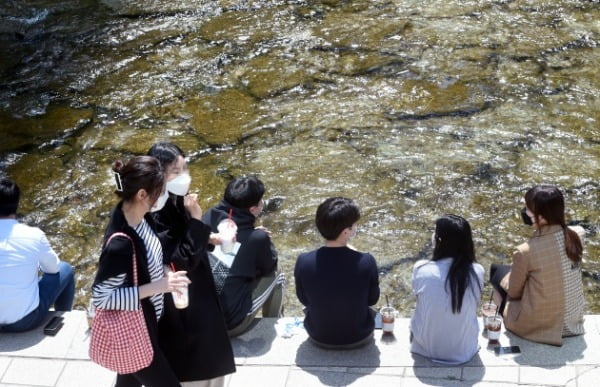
(120, 340)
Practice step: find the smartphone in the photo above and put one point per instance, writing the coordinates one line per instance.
(526, 219)
(378, 322)
(53, 326)
(507, 350)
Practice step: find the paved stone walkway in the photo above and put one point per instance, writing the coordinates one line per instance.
(276, 353)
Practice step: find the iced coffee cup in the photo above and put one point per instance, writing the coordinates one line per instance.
(388, 317)
(487, 310)
(180, 298)
(494, 325)
(227, 231)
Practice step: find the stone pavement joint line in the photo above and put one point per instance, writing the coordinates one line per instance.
(276, 353)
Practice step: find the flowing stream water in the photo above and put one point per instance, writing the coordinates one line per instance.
(412, 108)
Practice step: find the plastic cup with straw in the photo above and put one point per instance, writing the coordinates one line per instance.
(227, 230)
(494, 325)
(487, 310)
(388, 317)
(180, 296)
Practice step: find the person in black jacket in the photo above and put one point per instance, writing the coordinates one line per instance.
(247, 278)
(140, 186)
(194, 339)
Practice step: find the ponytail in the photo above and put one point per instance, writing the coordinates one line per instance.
(141, 172)
(573, 245)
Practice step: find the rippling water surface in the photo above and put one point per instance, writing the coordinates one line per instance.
(412, 108)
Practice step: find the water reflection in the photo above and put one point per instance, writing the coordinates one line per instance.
(414, 109)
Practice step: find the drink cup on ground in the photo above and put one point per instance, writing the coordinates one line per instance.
(180, 298)
(91, 312)
(487, 310)
(388, 317)
(227, 231)
(494, 326)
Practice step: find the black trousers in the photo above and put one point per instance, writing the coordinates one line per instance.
(497, 272)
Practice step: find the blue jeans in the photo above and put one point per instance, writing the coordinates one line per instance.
(55, 289)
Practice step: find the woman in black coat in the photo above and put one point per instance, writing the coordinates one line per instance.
(194, 339)
(140, 186)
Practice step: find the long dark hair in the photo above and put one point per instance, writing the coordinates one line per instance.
(548, 202)
(453, 239)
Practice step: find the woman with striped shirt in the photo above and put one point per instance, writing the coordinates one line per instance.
(141, 188)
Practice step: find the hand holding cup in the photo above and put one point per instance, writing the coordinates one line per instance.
(177, 279)
(178, 285)
(227, 232)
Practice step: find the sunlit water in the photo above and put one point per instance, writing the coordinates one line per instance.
(412, 108)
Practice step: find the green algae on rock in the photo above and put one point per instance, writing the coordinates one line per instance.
(221, 118)
(58, 121)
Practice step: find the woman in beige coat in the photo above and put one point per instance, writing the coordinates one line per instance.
(542, 294)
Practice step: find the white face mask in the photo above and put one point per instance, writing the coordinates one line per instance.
(160, 202)
(180, 185)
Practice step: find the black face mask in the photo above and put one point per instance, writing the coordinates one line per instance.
(526, 219)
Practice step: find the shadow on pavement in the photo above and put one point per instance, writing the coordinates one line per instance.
(10, 342)
(337, 367)
(548, 356)
(437, 374)
(257, 341)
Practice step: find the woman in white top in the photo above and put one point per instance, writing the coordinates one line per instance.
(448, 287)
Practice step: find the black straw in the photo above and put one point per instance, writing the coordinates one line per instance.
(387, 301)
(491, 296)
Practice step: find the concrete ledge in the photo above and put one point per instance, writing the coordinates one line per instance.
(387, 360)
(276, 353)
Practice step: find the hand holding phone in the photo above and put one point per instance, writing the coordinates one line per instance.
(507, 350)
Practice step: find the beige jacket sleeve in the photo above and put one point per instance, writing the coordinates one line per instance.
(518, 275)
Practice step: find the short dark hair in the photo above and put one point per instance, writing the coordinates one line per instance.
(141, 172)
(165, 152)
(244, 192)
(9, 197)
(334, 215)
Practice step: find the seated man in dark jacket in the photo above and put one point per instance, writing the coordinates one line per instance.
(336, 283)
(246, 278)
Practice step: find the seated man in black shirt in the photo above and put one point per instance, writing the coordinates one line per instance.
(336, 283)
(246, 278)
